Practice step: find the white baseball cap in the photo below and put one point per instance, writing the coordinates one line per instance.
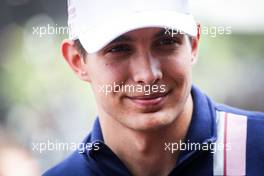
(97, 22)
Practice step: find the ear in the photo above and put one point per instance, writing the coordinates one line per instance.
(195, 42)
(75, 59)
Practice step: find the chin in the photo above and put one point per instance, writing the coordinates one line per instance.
(151, 121)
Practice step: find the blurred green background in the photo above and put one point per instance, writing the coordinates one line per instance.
(41, 99)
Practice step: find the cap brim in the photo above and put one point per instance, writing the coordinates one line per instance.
(94, 39)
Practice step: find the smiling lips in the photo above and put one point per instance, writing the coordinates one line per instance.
(149, 100)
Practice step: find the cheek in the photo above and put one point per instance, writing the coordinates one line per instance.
(178, 66)
(108, 74)
(104, 79)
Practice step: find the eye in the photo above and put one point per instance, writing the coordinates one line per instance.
(119, 48)
(167, 41)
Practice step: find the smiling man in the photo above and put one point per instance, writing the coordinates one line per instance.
(171, 129)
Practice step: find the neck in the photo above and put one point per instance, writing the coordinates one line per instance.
(140, 150)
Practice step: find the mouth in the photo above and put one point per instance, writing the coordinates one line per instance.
(146, 101)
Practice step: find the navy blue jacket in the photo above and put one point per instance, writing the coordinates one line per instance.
(241, 133)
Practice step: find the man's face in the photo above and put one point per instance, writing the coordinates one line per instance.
(142, 58)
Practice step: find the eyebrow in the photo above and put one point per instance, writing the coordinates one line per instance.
(161, 33)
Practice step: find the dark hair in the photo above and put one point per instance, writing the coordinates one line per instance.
(79, 47)
(190, 39)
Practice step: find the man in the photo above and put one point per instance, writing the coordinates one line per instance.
(138, 58)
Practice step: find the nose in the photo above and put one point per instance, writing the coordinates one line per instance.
(146, 69)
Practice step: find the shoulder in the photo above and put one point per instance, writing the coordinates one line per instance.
(243, 131)
(254, 123)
